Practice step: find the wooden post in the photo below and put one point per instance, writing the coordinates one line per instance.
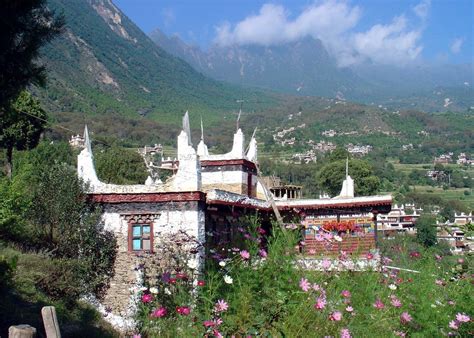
(376, 235)
(21, 331)
(51, 325)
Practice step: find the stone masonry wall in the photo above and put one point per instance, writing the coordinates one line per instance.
(168, 218)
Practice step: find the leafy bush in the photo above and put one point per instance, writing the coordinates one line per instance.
(7, 269)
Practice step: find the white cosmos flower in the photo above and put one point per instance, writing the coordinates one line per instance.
(222, 263)
(338, 238)
(392, 287)
(193, 264)
(228, 279)
(154, 290)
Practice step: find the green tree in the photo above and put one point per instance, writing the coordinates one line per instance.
(120, 166)
(426, 230)
(330, 177)
(338, 154)
(66, 224)
(25, 27)
(21, 126)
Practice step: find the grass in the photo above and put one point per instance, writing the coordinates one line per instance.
(22, 300)
(449, 194)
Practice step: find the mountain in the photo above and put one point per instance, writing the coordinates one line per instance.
(300, 68)
(103, 63)
(305, 68)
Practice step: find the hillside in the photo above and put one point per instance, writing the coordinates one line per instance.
(104, 63)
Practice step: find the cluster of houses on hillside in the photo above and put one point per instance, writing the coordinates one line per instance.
(359, 150)
(463, 159)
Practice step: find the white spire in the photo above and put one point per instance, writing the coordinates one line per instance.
(87, 141)
(186, 126)
(347, 167)
(252, 149)
(347, 190)
(202, 131)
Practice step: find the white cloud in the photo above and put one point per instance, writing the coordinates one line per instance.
(334, 22)
(422, 9)
(389, 44)
(456, 45)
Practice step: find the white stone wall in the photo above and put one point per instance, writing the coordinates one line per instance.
(126, 281)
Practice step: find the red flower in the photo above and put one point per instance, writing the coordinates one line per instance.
(172, 280)
(201, 283)
(183, 310)
(147, 298)
(181, 275)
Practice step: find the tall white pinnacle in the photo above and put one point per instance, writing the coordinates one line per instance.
(202, 131)
(87, 141)
(347, 190)
(186, 126)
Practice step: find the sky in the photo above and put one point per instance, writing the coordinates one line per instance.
(394, 32)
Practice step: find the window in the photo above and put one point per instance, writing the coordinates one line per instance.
(140, 237)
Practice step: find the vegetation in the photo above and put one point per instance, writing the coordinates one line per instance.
(256, 291)
(26, 26)
(21, 126)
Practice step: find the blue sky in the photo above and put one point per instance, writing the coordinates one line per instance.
(382, 31)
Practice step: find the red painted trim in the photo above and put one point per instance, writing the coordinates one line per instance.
(149, 197)
(335, 206)
(215, 163)
(237, 204)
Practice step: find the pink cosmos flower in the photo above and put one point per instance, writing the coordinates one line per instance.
(451, 302)
(395, 302)
(369, 256)
(183, 310)
(386, 260)
(326, 264)
(137, 336)
(405, 318)
(454, 324)
(349, 309)
(305, 285)
(181, 275)
(316, 287)
(460, 260)
(147, 298)
(245, 254)
(158, 313)
(335, 316)
(209, 323)
(345, 293)
(320, 303)
(221, 306)
(312, 252)
(439, 282)
(378, 304)
(262, 253)
(438, 257)
(201, 283)
(345, 333)
(462, 318)
(399, 333)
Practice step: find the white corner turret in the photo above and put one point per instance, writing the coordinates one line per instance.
(188, 177)
(252, 152)
(238, 145)
(347, 190)
(85, 163)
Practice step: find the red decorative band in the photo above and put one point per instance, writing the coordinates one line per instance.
(149, 197)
